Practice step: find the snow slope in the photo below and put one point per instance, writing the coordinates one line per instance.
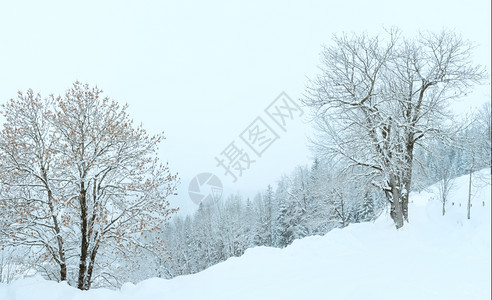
(432, 257)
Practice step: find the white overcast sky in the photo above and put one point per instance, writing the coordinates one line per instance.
(202, 71)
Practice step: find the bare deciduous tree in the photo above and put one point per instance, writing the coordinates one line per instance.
(444, 187)
(78, 181)
(378, 97)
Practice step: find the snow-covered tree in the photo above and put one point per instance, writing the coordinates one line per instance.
(444, 169)
(367, 210)
(81, 186)
(378, 97)
(268, 200)
(320, 184)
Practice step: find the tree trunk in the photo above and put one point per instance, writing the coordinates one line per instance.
(91, 266)
(407, 177)
(394, 197)
(443, 206)
(84, 246)
(404, 201)
(61, 251)
(62, 262)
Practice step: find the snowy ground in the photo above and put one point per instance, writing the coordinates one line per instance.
(432, 257)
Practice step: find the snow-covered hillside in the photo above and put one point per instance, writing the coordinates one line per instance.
(432, 257)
